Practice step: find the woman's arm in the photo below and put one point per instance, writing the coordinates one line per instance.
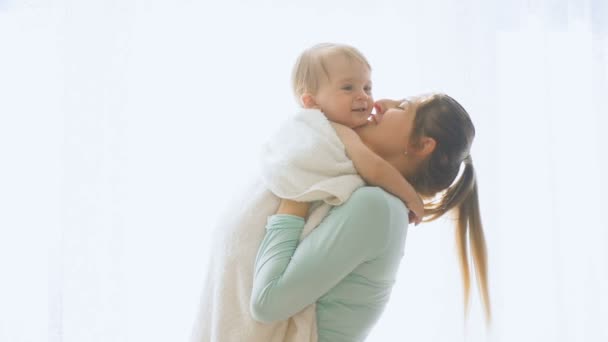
(288, 277)
(289, 207)
(377, 171)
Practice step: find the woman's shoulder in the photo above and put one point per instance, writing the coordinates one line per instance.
(373, 195)
(376, 202)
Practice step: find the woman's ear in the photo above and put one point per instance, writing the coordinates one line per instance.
(308, 101)
(426, 146)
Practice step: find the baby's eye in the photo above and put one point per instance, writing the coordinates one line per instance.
(368, 90)
(347, 87)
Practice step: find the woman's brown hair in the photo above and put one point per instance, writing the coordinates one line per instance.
(442, 118)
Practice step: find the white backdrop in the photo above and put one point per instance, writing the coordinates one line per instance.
(126, 126)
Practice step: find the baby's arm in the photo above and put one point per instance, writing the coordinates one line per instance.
(377, 171)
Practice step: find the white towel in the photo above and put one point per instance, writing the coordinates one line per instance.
(305, 161)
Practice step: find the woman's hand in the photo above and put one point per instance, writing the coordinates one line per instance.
(294, 208)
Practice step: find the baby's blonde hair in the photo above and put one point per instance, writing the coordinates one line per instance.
(311, 66)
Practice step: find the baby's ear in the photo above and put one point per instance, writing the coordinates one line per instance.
(308, 101)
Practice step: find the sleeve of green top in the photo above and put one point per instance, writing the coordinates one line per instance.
(289, 277)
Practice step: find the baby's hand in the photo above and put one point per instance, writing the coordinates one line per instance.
(416, 208)
(412, 218)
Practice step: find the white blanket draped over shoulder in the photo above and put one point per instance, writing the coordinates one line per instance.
(304, 161)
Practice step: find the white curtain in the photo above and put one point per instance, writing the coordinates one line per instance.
(126, 126)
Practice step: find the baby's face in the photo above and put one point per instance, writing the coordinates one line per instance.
(346, 97)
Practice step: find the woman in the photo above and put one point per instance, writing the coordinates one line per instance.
(348, 263)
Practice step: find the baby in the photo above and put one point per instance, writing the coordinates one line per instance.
(332, 83)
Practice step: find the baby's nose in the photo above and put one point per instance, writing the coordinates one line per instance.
(362, 95)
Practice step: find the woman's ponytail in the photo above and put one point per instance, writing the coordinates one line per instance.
(469, 223)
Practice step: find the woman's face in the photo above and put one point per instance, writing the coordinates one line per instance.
(388, 132)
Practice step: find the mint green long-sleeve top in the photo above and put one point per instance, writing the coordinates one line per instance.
(347, 265)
